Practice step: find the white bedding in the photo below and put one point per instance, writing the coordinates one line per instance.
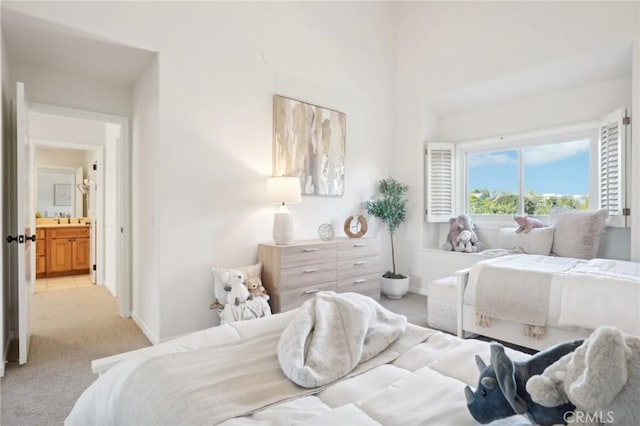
(583, 293)
(423, 386)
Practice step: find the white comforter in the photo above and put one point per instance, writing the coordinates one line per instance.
(584, 293)
(425, 386)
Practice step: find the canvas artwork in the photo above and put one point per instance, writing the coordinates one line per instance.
(61, 194)
(309, 142)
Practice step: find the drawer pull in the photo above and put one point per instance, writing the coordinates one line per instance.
(360, 281)
(360, 263)
(309, 250)
(315, 290)
(360, 245)
(309, 271)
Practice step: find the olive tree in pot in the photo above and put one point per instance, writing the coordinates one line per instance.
(390, 207)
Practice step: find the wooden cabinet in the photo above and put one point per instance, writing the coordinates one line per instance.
(67, 252)
(293, 273)
(41, 258)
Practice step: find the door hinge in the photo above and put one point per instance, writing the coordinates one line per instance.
(626, 120)
(94, 266)
(95, 166)
(626, 211)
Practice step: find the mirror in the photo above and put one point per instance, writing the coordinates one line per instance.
(58, 193)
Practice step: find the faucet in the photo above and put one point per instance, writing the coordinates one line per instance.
(69, 219)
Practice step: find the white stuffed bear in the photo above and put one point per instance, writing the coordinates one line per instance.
(464, 242)
(233, 284)
(601, 378)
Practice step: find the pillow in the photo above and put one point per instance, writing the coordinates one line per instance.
(577, 232)
(536, 241)
(248, 271)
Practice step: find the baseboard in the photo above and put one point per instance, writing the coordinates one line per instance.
(6, 352)
(110, 287)
(145, 330)
(420, 289)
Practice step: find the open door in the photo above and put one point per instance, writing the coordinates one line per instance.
(25, 218)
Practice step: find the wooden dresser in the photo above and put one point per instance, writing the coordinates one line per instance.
(294, 272)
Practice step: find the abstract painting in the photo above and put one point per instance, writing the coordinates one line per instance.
(309, 142)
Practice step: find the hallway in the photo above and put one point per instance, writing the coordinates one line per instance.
(70, 327)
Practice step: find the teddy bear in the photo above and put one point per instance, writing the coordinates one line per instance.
(465, 242)
(254, 284)
(234, 286)
(456, 226)
(526, 224)
(601, 378)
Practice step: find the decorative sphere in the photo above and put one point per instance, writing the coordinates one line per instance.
(326, 231)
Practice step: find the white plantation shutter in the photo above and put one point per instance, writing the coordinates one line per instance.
(611, 170)
(440, 181)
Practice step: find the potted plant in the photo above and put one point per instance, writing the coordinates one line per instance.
(390, 207)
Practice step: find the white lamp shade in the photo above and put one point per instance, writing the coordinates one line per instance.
(284, 189)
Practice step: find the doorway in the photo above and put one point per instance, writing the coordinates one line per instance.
(100, 187)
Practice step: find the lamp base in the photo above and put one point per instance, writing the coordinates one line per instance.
(283, 226)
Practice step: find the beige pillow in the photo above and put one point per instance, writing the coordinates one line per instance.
(536, 241)
(248, 271)
(577, 232)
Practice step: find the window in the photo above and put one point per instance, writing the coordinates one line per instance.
(578, 166)
(492, 182)
(533, 176)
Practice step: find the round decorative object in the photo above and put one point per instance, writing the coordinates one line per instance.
(355, 226)
(326, 231)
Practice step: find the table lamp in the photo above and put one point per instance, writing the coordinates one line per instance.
(283, 189)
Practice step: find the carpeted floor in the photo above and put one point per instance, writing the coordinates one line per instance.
(70, 328)
(413, 305)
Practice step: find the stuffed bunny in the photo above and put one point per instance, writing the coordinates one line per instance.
(601, 378)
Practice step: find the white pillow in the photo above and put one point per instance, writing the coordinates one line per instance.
(248, 271)
(536, 241)
(577, 232)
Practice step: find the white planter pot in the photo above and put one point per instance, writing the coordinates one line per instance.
(394, 288)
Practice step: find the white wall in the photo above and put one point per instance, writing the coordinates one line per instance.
(145, 242)
(446, 46)
(72, 90)
(64, 129)
(108, 263)
(4, 270)
(219, 66)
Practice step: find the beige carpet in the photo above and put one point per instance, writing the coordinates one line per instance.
(413, 305)
(70, 328)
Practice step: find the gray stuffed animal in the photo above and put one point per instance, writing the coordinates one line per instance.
(601, 377)
(501, 388)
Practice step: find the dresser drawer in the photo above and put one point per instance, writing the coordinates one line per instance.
(292, 299)
(75, 232)
(362, 266)
(357, 248)
(362, 284)
(298, 255)
(304, 276)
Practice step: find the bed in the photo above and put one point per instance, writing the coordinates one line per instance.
(566, 298)
(422, 383)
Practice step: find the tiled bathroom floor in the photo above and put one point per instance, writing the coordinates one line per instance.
(61, 283)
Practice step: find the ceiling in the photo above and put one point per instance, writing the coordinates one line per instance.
(40, 43)
(597, 65)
